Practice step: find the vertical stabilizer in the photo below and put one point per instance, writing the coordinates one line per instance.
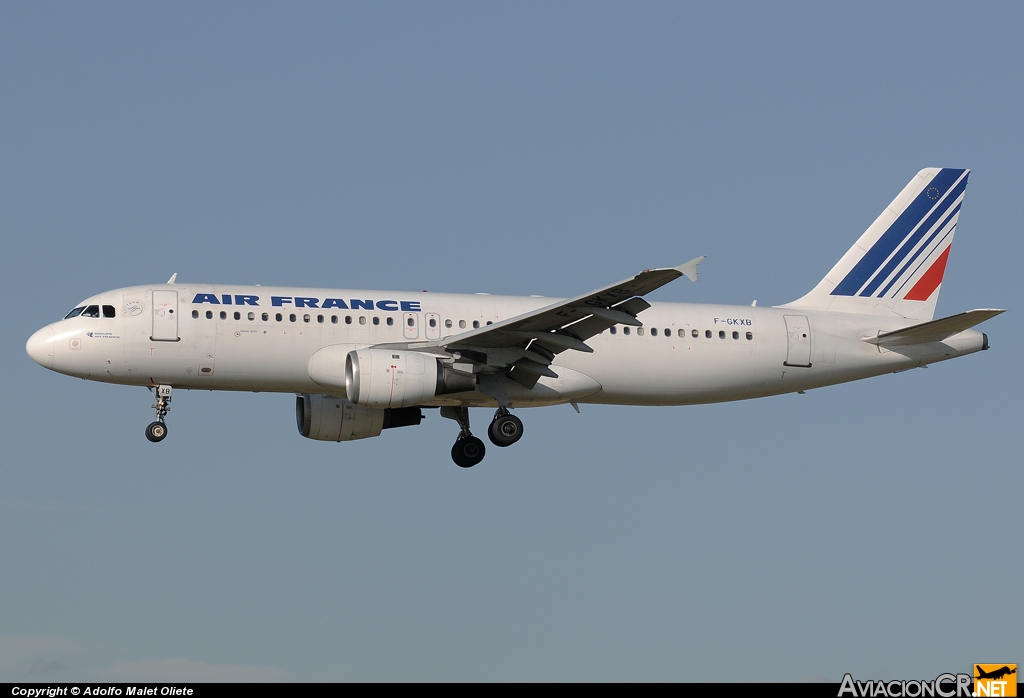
(896, 266)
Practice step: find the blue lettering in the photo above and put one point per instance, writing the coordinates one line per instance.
(206, 298)
(280, 300)
(334, 303)
(387, 305)
(226, 298)
(411, 306)
(301, 302)
(247, 300)
(357, 304)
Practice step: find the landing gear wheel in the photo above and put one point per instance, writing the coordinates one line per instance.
(505, 430)
(468, 451)
(156, 431)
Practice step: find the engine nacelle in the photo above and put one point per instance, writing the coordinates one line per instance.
(330, 418)
(399, 378)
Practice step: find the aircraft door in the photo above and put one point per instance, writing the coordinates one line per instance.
(165, 316)
(798, 333)
(433, 328)
(410, 324)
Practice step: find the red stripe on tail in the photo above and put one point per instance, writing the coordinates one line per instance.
(927, 284)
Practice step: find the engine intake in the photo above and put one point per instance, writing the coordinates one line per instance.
(392, 378)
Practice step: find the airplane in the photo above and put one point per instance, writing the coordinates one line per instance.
(996, 674)
(363, 361)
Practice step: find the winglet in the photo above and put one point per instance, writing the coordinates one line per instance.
(173, 277)
(689, 270)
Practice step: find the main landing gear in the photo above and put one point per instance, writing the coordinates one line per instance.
(505, 429)
(157, 431)
(468, 450)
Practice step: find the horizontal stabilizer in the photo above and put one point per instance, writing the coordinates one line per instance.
(935, 330)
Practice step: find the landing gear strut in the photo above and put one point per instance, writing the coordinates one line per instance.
(468, 450)
(505, 428)
(157, 431)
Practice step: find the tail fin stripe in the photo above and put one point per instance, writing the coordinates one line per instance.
(941, 209)
(926, 246)
(931, 279)
(898, 232)
(911, 275)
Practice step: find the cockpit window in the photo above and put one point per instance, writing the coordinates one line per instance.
(75, 313)
(91, 311)
(108, 311)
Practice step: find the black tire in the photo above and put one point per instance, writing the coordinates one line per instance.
(505, 430)
(468, 452)
(156, 432)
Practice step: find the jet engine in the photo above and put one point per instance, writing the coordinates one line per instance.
(398, 378)
(330, 418)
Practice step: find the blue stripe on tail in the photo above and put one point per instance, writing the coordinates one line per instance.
(898, 232)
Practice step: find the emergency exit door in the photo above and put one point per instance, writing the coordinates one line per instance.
(798, 333)
(411, 325)
(165, 316)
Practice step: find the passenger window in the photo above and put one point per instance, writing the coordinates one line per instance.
(376, 320)
(320, 319)
(305, 317)
(668, 332)
(750, 335)
(721, 334)
(362, 320)
(223, 315)
(334, 319)
(209, 314)
(75, 313)
(265, 316)
(238, 315)
(707, 333)
(640, 331)
(612, 329)
(277, 316)
(735, 335)
(391, 321)
(489, 322)
(625, 330)
(694, 334)
(448, 324)
(91, 311)
(195, 314)
(476, 324)
(682, 334)
(108, 311)
(348, 319)
(433, 323)
(462, 324)
(291, 317)
(654, 331)
(251, 316)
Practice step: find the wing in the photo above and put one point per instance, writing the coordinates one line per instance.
(524, 346)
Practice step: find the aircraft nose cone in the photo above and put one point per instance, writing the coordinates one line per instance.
(40, 347)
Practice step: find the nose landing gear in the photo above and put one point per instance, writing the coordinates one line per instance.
(157, 431)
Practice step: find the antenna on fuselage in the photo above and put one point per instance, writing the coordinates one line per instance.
(173, 277)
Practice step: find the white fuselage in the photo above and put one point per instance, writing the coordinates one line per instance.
(262, 339)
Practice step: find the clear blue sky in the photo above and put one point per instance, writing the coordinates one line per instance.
(522, 148)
